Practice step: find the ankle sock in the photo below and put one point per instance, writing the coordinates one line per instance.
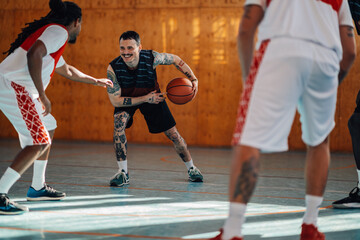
(38, 180)
(312, 209)
(122, 165)
(8, 179)
(233, 225)
(189, 164)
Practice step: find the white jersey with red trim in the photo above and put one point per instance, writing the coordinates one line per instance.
(15, 67)
(311, 20)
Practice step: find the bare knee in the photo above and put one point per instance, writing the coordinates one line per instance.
(175, 137)
(244, 153)
(37, 148)
(323, 145)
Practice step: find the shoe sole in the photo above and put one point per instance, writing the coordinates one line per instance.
(116, 185)
(196, 180)
(346, 205)
(13, 213)
(44, 198)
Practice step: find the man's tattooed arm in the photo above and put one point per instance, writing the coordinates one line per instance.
(168, 59)
(116, 87)
(163, 59)
(116, 100)
(349, 51)
(127, 101)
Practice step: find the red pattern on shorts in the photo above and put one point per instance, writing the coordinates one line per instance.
(245, 98)
(30, 115)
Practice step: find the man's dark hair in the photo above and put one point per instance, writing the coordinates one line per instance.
(355, 13)
(63, 13)
(130, 35)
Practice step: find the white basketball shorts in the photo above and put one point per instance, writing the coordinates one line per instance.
(288, 74)
(24, 111)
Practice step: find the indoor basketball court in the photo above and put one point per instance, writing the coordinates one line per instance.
(160, 202)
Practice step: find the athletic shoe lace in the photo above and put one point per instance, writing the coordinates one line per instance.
(50, 189)
(354, 193)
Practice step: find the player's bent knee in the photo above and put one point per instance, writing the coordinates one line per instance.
(324, 143)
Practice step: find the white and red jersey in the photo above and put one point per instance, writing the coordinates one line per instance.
(15, 66)
(311, 20)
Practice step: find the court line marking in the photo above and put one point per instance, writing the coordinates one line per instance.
(168, 190)
(165, 159)
(182, 216)
(92, 233)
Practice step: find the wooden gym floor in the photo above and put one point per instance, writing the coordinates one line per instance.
(160, 203)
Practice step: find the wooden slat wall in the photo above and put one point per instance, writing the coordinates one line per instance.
(201, 32)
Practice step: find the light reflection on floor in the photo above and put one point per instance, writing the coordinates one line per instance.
(160, 203)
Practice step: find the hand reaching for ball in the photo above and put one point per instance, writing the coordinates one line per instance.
(154, 97)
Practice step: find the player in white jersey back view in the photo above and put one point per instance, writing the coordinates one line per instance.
(305, 49)
(24, 75)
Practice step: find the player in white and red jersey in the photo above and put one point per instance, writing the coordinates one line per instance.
(305, 49)
(24, 75)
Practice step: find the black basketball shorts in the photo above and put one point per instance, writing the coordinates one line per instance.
(157, 116)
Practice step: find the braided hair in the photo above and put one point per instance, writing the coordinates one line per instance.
(63, 13)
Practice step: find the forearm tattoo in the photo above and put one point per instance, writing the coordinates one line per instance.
(350, 32)
(246, 181)
(116, 87)
(181, 67)
(127, 101)
(247, 11)
(120, 141)
(162, 59)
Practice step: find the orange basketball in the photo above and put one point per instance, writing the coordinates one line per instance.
(179, 91)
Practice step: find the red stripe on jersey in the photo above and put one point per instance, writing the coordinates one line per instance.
(56, 56)
(245, 98)
(268, 2)
(335, 4)
(26, 45)
(30, 115)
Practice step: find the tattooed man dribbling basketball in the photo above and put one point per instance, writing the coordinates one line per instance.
(133, 74)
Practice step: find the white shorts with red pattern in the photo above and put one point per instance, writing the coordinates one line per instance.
(287, 75)
(24, 111)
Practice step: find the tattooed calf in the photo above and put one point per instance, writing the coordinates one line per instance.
(120, 142)
(246, 181)
(179, 143)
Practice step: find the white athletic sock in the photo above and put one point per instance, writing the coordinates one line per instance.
(38, 180)
(122, 165)
(312, 209)
(358, 172)
(189, 164)
(8, 179)
(233, 224)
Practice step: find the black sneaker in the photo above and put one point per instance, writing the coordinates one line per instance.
(120, 179)
(46, 193)
(8, 207)
(352, 201)
(195, 175)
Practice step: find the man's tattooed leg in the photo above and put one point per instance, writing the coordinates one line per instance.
(120, 142)
(246, 181)
(179, 144)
